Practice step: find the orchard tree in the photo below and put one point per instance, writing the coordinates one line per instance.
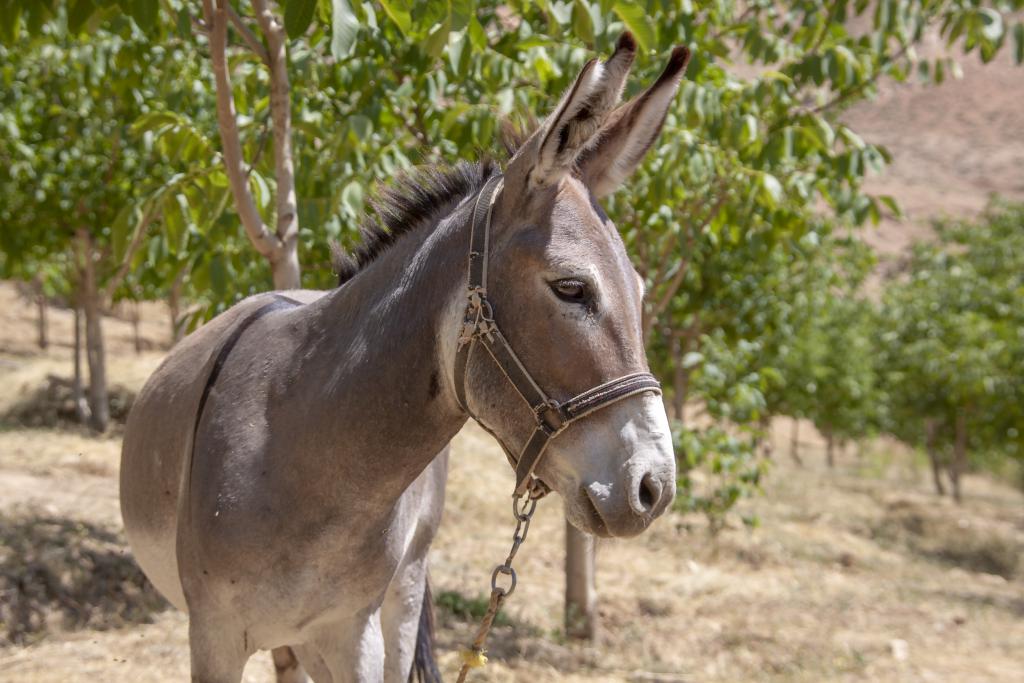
(952, 334)
(68, 106)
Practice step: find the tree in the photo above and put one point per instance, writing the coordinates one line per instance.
(279, 245)
(87, 94)
(952, 337)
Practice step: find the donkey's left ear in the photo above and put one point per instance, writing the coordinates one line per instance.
(630, 130)
(550, 153)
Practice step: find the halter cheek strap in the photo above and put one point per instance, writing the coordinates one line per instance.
(478, 327)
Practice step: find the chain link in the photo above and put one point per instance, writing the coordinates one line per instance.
(523, 509)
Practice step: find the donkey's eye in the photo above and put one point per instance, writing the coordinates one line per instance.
(573, 291)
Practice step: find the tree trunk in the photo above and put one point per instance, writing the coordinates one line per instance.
(766, 436)
(285, 269)
(99, 405)
(580, 585)
(44, 340)
(680, 379)
(830, 449)
(135, 327)
(174, 304)
(959, 465)
(794, 442)
(931, 448)
(78, 393)
(280, 245)
(682, 343)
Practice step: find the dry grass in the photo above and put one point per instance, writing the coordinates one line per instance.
(857, 574)
(814, 593)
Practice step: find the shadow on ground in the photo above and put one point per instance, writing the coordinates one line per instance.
(52, 404)
(63, 573)
(954, 542)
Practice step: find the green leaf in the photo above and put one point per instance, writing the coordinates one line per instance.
(352, 197)
(992, 24)
(174, 223)
(561, 11)
(822, 132)
(218, 275)
(692, 359)
(582, 22)
(79, 12)
(361, 127)
(10, 23)
(461, 13)
(770, 189)
(399, 14)
(457, 52)
(748, 130)
(120, 229)
(851, 139)
(637, 21)
(890, 202)
(344, 29)
(153, 121)
(477, 35)
(145, 12)
(437, 39)
(298, 15)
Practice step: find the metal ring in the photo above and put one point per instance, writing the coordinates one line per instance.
(486, 311)
(529, 505)
(510, 572)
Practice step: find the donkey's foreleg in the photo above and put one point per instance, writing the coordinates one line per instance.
(219, 650)
(354, 651)
(400, 619)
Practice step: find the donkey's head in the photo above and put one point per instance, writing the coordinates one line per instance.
(568, 300)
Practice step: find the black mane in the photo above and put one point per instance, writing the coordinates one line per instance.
(417, 200)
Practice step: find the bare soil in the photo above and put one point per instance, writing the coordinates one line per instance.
(954, 146)
(856, 574)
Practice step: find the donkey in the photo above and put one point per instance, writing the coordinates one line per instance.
(283, 470)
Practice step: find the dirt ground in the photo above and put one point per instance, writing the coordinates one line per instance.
(954, 146)
(855, 574)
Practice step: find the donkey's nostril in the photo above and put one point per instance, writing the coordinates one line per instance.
(650, 492)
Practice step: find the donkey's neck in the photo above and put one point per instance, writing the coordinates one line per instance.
(378, 360)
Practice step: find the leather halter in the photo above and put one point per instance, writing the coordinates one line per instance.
(551, 416)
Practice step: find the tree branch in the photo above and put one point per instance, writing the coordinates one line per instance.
(662, 264)
(651, 315)
(265, 242)
(280, 111)
(137, 239)
(843, 96)
(248, 36)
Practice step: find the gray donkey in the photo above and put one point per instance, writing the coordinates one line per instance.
(283, 470)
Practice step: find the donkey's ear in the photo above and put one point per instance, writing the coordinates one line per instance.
(552, 150)
(629, 131)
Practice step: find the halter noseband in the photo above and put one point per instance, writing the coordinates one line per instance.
(551, 416)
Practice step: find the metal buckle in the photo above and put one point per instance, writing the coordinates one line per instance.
(477, 296)
(549, 427)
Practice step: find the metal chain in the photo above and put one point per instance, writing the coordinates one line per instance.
(523, 510)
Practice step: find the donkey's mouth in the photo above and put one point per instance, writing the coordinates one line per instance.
(594, 519)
